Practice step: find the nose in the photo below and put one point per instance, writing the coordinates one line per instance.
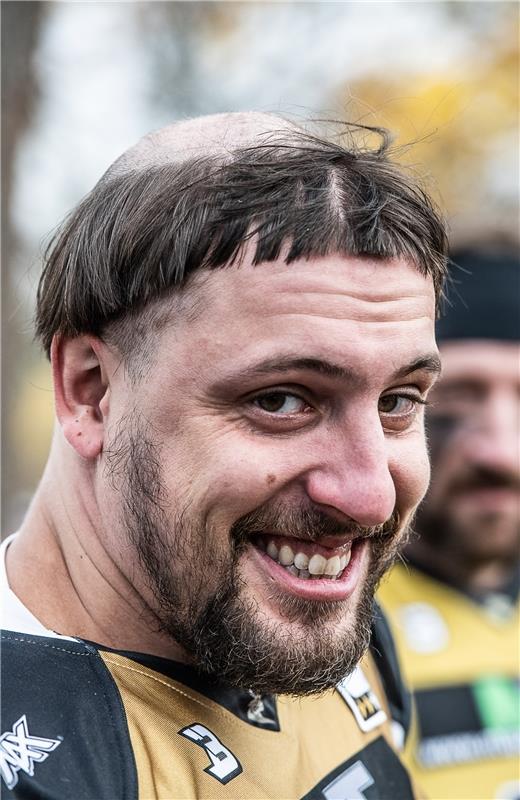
(351, 476)
(492, 435)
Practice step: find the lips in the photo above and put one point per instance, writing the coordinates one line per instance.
(315, 572)
(489, 499)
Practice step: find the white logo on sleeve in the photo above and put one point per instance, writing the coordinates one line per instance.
(362, 700)
(350, 784)
(21, 751)
(224, 766)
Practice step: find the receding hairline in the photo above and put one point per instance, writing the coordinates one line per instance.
(215, 135)
(190, 196)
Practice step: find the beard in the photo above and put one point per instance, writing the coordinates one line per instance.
(202, 602)
(466, 536)
(474, 540)
(473, 537)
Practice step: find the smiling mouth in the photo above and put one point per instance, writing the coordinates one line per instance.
(306, 560)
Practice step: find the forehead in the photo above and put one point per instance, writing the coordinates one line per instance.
(483, 360)
(332, 307)
(327, 284)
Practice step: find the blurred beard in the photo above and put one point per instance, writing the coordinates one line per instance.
(472, 537)
(474, 542)
(202, 603)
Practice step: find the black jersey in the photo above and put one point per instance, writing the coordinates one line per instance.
(83, 722)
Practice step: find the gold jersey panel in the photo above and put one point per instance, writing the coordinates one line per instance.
(333, 746)
(462, 661)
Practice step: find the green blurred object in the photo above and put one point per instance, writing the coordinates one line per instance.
(498, 701)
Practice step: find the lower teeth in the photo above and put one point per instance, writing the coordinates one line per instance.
(304, 574)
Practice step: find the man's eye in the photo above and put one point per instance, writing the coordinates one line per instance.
(280, 403)
(398, 404)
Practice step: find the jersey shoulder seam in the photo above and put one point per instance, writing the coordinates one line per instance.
(222, 712)
(8, 638)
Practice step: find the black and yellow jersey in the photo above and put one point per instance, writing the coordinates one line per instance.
(460, 655)
(83, 722)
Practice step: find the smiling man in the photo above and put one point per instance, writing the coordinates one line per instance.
(240, 319)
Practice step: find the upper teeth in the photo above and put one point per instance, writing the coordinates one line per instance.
(316, 565)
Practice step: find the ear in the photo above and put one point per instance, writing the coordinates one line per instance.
(81, 391)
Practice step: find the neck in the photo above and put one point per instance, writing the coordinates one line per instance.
(479, 577)
(60, 569)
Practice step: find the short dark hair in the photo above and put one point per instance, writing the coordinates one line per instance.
(143, 232)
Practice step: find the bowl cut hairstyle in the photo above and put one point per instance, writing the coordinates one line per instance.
(145, 229)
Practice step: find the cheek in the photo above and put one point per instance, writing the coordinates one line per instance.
(228, 481)
(445, 437)
(442, 433)
(411, 473)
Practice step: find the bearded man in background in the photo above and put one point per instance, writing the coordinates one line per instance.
(454, 606)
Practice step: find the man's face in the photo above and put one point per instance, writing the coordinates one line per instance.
(473, 507)
(269, 464)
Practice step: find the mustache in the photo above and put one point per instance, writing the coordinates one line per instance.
(307, 523)
(485, 478)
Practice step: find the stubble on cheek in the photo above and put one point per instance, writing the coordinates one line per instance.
(174, 554)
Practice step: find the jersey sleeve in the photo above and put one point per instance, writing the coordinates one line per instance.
(64, 730)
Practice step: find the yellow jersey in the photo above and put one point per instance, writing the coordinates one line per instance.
(461, 659)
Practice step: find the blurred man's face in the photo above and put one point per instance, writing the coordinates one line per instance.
(473, 507)
(267, 468)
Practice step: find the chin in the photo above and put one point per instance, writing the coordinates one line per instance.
(274, 642)
(292, 617)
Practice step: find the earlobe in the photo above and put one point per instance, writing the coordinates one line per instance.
(81, 392)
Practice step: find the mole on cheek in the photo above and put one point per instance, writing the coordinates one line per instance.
(270, 479)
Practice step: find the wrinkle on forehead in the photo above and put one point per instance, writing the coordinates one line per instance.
(213, 135)
(366, 294)
(260, 306)
(342, 306)
(409, 315)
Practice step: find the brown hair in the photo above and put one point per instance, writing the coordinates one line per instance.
(142, 232)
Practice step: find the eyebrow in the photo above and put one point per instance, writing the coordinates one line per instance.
(429, 363)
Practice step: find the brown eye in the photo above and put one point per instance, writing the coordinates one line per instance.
(397, 404)
(280, 403)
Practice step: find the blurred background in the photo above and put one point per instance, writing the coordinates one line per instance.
(82, 81)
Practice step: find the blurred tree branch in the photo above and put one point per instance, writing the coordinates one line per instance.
(21, 24)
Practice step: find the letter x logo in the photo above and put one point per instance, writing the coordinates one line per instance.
(21, 751)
